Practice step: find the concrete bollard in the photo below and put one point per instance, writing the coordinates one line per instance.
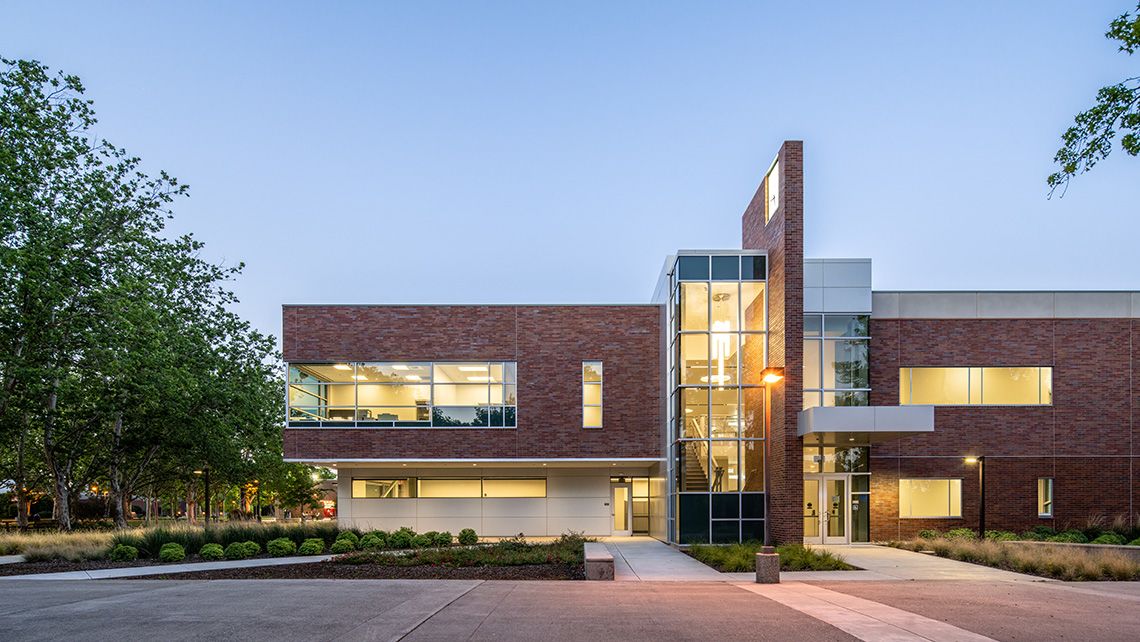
(768, 566)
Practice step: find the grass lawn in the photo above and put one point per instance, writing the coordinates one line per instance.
(737, 558)
(1070, 564)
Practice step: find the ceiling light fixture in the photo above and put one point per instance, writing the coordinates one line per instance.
(413, 377)
(479, 379)
(360, 377)
(472, 368)
(342, 366)
(399, 366)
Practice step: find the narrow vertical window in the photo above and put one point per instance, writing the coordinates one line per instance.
(1045, 497)
(591, 394)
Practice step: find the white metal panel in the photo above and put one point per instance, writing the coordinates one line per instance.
(854, 273)
(945, 305)
(440, 507)
(514, 507)
(1084, 305)
(592, 485)
(1015, 305)
(578, 506)
(846, 299)
(450, 524)
(813, 299)
(885, 305)
(367, 508)
(813, 273)
(587, 525)
(508, 526)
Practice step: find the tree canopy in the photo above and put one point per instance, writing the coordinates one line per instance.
(121, 362)
(1116, 113)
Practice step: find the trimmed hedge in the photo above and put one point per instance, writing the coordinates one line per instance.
(236, 551)
(1110, 538)
(212, 552)
(442, 539)
(374, 541)
(123, 553)
(467, 537)
(350, 536)
(172, 552)
(281, 547)
(251, 548)
(342, 546)
(312, 546)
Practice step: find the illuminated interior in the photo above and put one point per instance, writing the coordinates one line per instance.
(1007, 386)
(930, 498)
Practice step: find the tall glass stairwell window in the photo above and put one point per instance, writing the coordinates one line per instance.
(718, 321)
(836, 360)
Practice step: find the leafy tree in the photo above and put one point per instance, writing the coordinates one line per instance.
(119, 357)
(1117, 111)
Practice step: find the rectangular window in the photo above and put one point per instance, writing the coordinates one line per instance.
(837, 362)
(961, 386)
(591, 394)
(404, 394)
(514, 487)
(1045, 497)
(381, 488)
(930, 498)
(772, 190)
(450, 488)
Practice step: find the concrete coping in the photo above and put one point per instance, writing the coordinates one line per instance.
(599, 562)
(597, 552)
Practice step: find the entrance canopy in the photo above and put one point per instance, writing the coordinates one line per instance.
(865, 424)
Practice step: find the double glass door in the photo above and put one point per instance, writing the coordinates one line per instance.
(827, 509)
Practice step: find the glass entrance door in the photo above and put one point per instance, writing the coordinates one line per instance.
(622, 508)
(827, 509)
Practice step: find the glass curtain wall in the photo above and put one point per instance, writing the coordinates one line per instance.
(836, 360)
(717, 355)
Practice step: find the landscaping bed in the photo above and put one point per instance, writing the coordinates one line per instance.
(63, 566)
(333, 571)
(1069, 564)
(738, 558)
(509, 559)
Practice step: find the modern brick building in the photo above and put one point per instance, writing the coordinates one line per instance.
(757, 393)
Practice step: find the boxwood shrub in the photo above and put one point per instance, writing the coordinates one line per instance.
(421, 541)
(342, 546)
(281, 547)
(124, 553)
(401, 538)
(211, 552)
(373, 541)
(1070, 537)
(929, 533)
(171, 552)
(350, 536)
(312, 546)
(442, 539)
(236, 551)
(251, 548)
(467, 537)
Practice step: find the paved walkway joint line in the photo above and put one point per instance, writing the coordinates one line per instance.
(861, 618)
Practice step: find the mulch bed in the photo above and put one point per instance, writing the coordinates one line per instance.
(60, 566)
(328, 570)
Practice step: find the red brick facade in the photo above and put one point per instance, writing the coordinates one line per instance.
(782, 236)
(549, 344)
(1085, 441)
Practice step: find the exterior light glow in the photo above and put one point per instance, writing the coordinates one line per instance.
(197, 472)
(772, 377)
(342, 366)
(971, 460)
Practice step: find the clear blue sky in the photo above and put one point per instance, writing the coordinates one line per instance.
(556, 152)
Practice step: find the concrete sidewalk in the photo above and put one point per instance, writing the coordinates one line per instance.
(645, 559)
(163, 569)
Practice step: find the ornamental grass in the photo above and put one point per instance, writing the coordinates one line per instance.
(1067, 563)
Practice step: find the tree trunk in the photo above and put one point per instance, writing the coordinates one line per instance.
(22, 505)
(61, 482)
(117, 494)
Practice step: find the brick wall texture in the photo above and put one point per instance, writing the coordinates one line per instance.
(782, 236)
(1086, 441)
(549, 344)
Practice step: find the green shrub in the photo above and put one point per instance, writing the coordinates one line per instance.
(431, 535)
(401, 538)
(467, 537)
(251, 548)
(421, 541)
(312, 546)
(124, 553)
(211, 552)
(565, 550)
(1135, 542)
(961, 533)
(1001, 536)
(192, 538)
(236, 551)
(281, 547)
(350, 536)
(172, 552)
(1069, 537)
(929, 533)
(1044, 531)
(1109, 538)
(342, 546)
(442, 539)
(734, 558)
(1033, 536)
(374, 541)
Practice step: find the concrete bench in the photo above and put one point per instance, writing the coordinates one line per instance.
(599, 562)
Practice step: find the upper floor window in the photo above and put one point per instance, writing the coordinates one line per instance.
(836, 360)
(591, 394)
(1005, 386)
(404, 394)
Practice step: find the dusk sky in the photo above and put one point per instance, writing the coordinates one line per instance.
(557, 152)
